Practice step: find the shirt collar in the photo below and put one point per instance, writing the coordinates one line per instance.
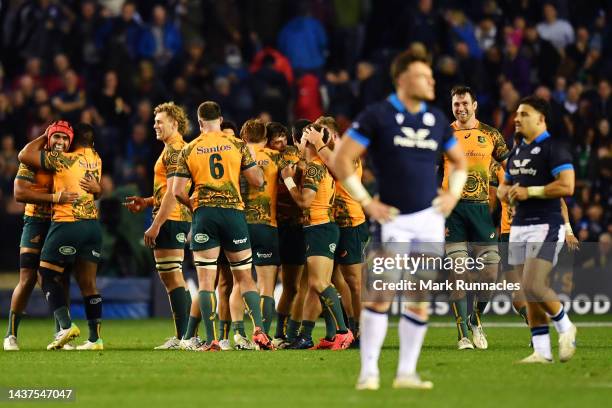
(399, 106)
(542, 136)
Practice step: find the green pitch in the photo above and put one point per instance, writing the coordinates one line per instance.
(130, 373)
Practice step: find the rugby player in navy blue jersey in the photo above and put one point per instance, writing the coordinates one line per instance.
(404, 137)
(539, 172)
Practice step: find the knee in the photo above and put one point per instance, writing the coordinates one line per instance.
(458, 252)
(490, 260)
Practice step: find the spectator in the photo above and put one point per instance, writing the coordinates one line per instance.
(543, 55)
(271, 90)
(558, 31)
(162, 40)
(70, 100)
(304, 41)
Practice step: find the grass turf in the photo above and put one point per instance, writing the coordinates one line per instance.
(129, 372)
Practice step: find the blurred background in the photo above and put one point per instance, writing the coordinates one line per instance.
(109, 62)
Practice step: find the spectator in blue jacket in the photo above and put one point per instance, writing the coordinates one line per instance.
(162, 40)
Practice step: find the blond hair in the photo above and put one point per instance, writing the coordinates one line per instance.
(175, 112)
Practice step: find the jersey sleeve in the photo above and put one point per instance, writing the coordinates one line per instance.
(170, 160)
(54, 161)
(500, 149)
(25, 173)
(182, 169)
(560, 159)
(314, 174)
(247, 160)
(496, 174)
(364, 127)
(448, 137)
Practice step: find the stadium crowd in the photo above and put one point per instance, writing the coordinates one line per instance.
(108, 62)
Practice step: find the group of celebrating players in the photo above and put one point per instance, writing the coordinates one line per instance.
(291, 204)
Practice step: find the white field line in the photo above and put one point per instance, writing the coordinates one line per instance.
(506, 325)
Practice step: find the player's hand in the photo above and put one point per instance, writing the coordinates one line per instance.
(314, 137)
(150, 235)
(572, 242)
(67, 197)
(380, 212)
(90, 185)
(135, 204)
(444, 202)
(517, 193)
(288, 171)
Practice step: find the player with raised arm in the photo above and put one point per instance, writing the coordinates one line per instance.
(74, 235)
(539, 172)
(167, 234)
(214, 161)
(404, 137)
(470, 223)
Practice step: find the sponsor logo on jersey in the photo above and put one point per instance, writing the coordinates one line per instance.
(240, 241)
(260, 255)
(95, 253)
(467, 136)
(214, 149)
(95, 301)
(332, 248)
(416, 139)
(201, 238)
(67, 250)
(180, 237)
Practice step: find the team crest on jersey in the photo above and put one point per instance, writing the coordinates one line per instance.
(332, 248)
(481, 139)
(67, 250)
(180, 237)
(429, 119)
(399, 118)
(201, 238)
(536, 150)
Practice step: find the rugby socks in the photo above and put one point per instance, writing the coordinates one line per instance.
(238, 327)
(293, 329)
(460, 310)
(192, 327)
(561, 321)
(281, 325)
(251, 300)
(352, 325)
(477, 312)
(267, 312)
(55, 295)
(540, 336)
(93, 313)
(307, 328)
(373, 331)
(331, 301)
(412, 331)
(63, 317)
(330, 324)
(180, 310)
(57, 326)
(208, 307)
(224, 329)
(188, 302)
(13, 323)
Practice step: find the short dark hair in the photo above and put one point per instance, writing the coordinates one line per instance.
(253, 131)
(462, 90)
(402, 61)
(274, 129)
(298, 128)
(209, 110)
(84, 135)
(228, 124)
(538, 104)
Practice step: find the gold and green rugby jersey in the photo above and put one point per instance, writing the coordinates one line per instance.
(479, 144)
(318, 178)
(68, 169)
(347, 211)
(287, 211)
(497, 178)
(42, 182)
(214, 162)
(165, 167)
(260, 202)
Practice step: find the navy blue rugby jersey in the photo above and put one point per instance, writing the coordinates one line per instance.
(404, 148)
(538, 164)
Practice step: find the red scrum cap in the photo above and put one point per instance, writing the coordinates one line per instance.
(60, 126)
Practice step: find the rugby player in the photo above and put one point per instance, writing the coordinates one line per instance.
(315, 197)
(471, 222)
(35, 188)
(171, 220)
(215, 161)
(74, 235)
(404, 136)
(354, 234)
(539, 172)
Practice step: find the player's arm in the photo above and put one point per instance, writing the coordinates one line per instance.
(179, 190)
(166, 206)
(302, 197)
(563, 186)
(137, 204)
(570, 238)
(326, 154)
(250, 170)
(24, 194)
(448, 199)
(32, 153)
